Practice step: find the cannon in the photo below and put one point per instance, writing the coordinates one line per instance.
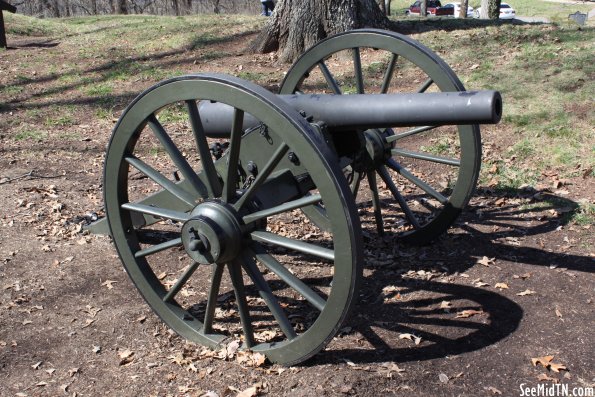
(204, 173)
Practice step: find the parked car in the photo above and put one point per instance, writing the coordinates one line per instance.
(506, 11)
(457, 9)
(434, 8)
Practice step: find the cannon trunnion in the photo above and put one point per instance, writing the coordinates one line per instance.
(204, 173)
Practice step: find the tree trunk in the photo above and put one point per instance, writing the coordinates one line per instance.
(382, 6)
(296, 25)
(387, 6)
(463, 12)
(494, 9)
(121, 7)
(423, 8)
(94, 7)
(487, 6)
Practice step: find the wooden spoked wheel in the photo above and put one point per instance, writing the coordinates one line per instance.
(209, 229)
(416, 180)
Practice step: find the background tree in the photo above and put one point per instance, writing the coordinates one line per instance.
(298, 24)
(463, 12)
(490, 9)
(423, 8)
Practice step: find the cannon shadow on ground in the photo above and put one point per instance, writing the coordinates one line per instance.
(380, 317)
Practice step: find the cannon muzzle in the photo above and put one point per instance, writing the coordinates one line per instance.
(365, 111)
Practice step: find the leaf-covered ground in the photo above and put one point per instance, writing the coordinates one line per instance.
(504, 299)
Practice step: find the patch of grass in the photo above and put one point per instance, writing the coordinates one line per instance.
(69, 136)
(23, 25)
(30, 134)
(11, 90)
(175, 113)
(585, 215)
(99, 89)
(251, 76)
(104, 113)
(523, 149)
(59, 120)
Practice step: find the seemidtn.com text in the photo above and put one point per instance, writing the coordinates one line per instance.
(556, 390)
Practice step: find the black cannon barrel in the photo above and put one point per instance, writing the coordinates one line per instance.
(364, 111)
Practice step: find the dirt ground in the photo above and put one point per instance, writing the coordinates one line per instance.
(509, 285)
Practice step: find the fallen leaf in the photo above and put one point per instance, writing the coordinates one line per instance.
(88, 322)
(445, 305)
(443, 378)
(349, 362)
(546, 377)
(37, 365)
(545, 361)
(493, 390)
(558, 313)
(486, 261)
(96, 349)
(41, 384)
(481, 284)
(249, 392)
(50, 371)
(73, 371)
(501, 285)
(558, 367)
(109, 283)
(210, 393)
(126, 357)
(526, 292)
(468, 313)
(141, 319)
(415, 339)
(232, 348)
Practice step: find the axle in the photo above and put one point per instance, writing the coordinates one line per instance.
(366, 111)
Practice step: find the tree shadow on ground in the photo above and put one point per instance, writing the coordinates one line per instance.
(422, 25)
(132, 65)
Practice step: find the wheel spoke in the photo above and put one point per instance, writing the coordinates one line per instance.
(289, 278)
(157, 212)
(330, 80)
(233, 155)
(262, 175)
(176, 156)
(357, 70)
(426, 156)
(173, 291)
(158, 248)
(376, 202)
(212, 299)
(357, 178)
(388, 74)
(213, 183)
(296, 245)
(418, 182)
(269, 298)
(288, 206)
(235, 271)
(413, 131)
(400, 199)
(425, 85)
(161, 180)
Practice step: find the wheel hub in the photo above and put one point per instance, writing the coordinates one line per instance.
(377, 149)
(213, 234)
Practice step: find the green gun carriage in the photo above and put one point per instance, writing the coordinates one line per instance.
(236, 212)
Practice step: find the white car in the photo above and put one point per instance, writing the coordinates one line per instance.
(457, 9)
(506, 11)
